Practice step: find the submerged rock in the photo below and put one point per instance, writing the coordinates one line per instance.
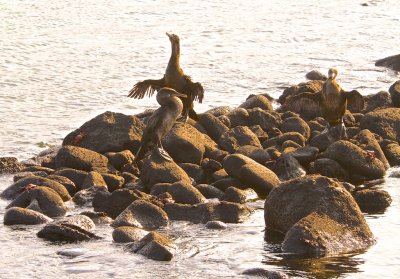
(155, 246)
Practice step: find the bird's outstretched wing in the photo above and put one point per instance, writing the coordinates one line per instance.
(195, 89)
(306, 104)
(148, 86)
(355, 101)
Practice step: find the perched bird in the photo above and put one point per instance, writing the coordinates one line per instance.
(160, 122)
(332, 101)
(173, 78)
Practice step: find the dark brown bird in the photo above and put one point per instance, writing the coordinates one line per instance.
(332, 101)
(174, 78)
(160, 122)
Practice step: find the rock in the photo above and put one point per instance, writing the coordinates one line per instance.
(379, 100)
(76, 176)
(251, 173)
(218, 111)
(215, 128)
(38, 169)
(238, 117)
(158, 170)
(108, 132)
(119, 159)
(289, 146)
(278, 140)
(392, 62)
(155, 246)
(286, 167)
(354, 159)
(93, 179)
(305, 155)
(209, 191)
(236, 137)
(372, 200)
(323, 141)
(256, 153)
(236, 195)
(392, 153)
(66, 182)
(316, 75)
(318, 216)
(80, 158)
(265, 119)
(12, 191)
(70, 229)
(10, 165)
(99, 218)
(225, 183)
(220, 174)
(384, 122)
(185, 193)
(394, 91)
(143, 215)
(257, 101)
(216, 225)
(216, 154)
(126, 234)
(259, 132)
(159, 188)
(368, 141)
(116, 202)
(113, 181)
(296, 124)
(261, 272)
(20, 175)
(24, 216)
(85, 196)
(194, 171)
(185, 144)
(45, 199)
(329, 168)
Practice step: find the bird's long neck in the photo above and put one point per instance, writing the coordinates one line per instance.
(175, 56)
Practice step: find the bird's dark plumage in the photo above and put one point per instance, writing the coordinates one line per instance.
(160, 122)
(174, 78)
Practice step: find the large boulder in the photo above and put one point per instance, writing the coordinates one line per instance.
(392, 62)
(108, 132)
(157, 170)
(155, 246)
(79, 158)
(384, 122)
(392, 153)
(296, 124)
(237, 137)
(251, 173)
(265, 119)
(330, 168)
(215, 128)
(76, 176)
(355, 160)
(257, 101)
(185, 193)
(318, 216)
(378, 100)
(24, 216)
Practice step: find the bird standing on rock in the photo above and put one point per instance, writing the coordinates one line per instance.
(332, 101)
(160, 122)
(173, 78)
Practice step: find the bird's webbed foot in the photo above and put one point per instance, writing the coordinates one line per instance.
(163, 154)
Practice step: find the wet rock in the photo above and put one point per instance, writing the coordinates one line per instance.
(251, 173)
(392, 62)
(10, 165)
(256, 153)
(296, 124)
(68, 183)
(384, 122)
(157, 170)
(70, 229)
(264, 273)
(322, 141)
(304, 155)
(143, 215)
(379, 100)
(114, 181)
(80, 158)
(93, 179)
(279, 140)
(392, 153)
(372, 200)
(116, 202)
(265, 119)
(85, 196)
(76, 176)
(194, 171)
(236, 195)
(119, 159)
(316, 214)
(238, 117)
(126, 234)
(12, 191)
(185, 144)
(155, 246)
(209, 191)
(220, 174)
(214, 127)
(329, 168)
(216, 225)
(185, 193)
(108, 132)
(316, 75)
(225, 183)
(227, 212)
(24, 216)
(257, 101)
(38, 169)
(354, 159)
(99, 218)
(218, 111)
(286, 167)
(236, 137)
(394, 91)
(367, 141)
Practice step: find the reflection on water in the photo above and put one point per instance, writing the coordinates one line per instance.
(64, 62)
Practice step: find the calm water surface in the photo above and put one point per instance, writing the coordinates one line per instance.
(64, 62)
